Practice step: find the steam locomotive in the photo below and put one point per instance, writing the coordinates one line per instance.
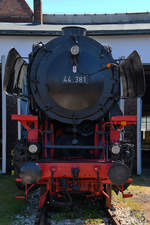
(72, 136)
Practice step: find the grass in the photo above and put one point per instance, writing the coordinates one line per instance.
(9, 205)
(93, 221)
(126, 202)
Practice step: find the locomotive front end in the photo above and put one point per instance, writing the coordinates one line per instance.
(73, 139)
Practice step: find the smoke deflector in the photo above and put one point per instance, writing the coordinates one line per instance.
(132, 74)
(15, 70)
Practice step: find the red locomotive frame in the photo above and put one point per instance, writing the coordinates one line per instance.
(91, 176)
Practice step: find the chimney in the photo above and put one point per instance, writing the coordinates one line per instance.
(38, 17)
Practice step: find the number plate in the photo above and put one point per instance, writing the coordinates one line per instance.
(75, 79)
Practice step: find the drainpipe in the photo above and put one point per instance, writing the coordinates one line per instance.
(19, 113)
(3, 60)
(139, 145)
(121, 93)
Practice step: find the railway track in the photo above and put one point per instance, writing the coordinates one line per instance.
(45, 220)
(113, 217)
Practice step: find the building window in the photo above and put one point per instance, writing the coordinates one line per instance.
(146, 123)
(145, 127)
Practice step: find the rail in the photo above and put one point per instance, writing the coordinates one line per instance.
(113, 217)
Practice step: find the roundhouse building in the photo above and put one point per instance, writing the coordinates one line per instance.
(122, 32)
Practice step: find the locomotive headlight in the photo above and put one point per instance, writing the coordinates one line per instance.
(33, 148)
(75, 50)
(115, 149)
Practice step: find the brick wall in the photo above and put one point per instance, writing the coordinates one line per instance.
(15, 11)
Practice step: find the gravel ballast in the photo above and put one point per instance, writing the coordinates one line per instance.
(28, 217)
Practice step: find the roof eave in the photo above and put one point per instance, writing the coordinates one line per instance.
(59, 33)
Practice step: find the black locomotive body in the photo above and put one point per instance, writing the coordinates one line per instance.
(73, 85)
(72, 139)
